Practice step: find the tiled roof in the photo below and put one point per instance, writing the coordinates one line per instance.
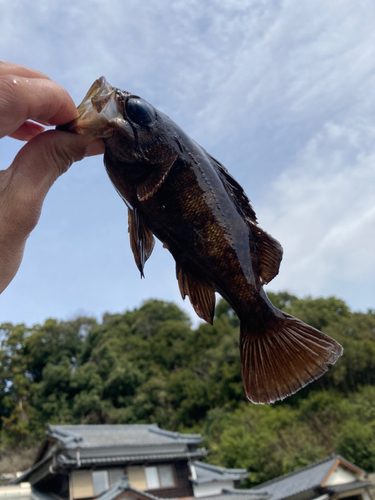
(26, 474)
(307, 478)
(206, 473)
(232, 494)
(93, 436)
(124, 485)
(238, 496)
(340, 488)
(129, 437)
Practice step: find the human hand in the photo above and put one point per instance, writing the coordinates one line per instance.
(26, 94)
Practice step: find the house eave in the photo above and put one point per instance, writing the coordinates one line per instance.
(64, 461)
(46, 462)
(219, 479)
(59, 463)
(354, 488)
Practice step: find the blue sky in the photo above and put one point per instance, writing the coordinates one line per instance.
(281, 92)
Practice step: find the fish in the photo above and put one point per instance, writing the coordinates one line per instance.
(177, 192)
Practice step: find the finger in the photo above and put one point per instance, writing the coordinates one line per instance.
(7, 68)
(22, 99)
(11, 256)
(27, 131)
(47, 156)
(25, 184)
(95, 148)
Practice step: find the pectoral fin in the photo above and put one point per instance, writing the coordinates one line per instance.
(202, 297)
(270, 253)
(141, 239)
(153, 182)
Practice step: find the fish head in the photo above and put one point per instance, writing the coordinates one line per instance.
(133, 131)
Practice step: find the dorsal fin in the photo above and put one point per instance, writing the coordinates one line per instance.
(235, 191)
(153, 182)
(142, 240)
(202, 297)
(270, 253)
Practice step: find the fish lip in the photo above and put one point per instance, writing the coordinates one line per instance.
(99, 106)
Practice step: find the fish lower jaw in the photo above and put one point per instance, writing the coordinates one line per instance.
(98, 123)
(97, 110)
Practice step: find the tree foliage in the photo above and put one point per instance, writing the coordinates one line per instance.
(149, 365)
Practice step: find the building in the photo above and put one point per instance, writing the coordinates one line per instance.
(122, 490)
(208, 480)
(332, 478)
(22, 491)
(78, 462)
(144, 462)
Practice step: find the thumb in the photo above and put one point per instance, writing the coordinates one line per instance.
(38, 164)
(24, 185)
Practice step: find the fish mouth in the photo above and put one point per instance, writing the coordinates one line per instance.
(99, 107)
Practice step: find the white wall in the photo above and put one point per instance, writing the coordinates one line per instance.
(214, 488)
(342, 475)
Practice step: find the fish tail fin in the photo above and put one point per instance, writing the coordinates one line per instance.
(283, 358)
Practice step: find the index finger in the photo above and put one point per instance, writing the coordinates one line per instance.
(25, 98)
(8, 68)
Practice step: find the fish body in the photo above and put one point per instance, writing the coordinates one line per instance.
(176, 191)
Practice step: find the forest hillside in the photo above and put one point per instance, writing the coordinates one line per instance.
(149, 365)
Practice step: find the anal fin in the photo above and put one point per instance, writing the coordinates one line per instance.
(142, 240)
(270, 253)
(284, 358)
(202, 297)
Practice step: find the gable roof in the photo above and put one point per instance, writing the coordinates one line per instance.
(308, 478)
(207, 473)
(98, 436)
(122, 486)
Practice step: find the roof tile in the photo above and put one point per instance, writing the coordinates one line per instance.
(307, 478)
(94, 436)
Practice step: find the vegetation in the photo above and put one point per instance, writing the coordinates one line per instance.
(149, 365)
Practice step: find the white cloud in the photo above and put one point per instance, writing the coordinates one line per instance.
(323, 211)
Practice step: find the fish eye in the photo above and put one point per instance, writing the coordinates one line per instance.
(140, 111)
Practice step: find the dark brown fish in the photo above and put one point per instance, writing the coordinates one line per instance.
(176, 191)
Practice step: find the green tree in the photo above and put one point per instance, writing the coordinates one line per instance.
(356, 443)
(149, 365)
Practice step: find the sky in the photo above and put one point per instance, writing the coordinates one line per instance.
(281, 92)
